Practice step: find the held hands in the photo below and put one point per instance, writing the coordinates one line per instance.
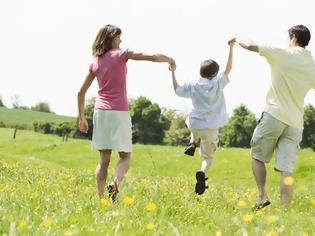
(83, 125)
(232, 42)
(172, 66)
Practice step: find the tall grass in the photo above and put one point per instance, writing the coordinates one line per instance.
(47, 187)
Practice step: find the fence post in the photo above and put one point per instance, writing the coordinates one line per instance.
(14, 133)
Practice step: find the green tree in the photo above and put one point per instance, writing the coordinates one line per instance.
(178, 133)
(148, 122)
(1, 102)
(240, 128)
(42, 106)
(308, 139)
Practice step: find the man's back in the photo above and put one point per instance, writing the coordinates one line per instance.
(292, 76)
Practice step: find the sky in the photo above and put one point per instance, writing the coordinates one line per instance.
(45, 46)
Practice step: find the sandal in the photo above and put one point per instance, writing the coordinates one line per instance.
(200, 187)
(261, 204)
(190, 149)
(112, 191)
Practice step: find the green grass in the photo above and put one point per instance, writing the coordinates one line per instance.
(26, 118)
(47, 187)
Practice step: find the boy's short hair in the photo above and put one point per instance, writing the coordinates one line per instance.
(209, 68)
(301, 33)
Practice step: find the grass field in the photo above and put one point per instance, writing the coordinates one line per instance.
(47, 187)
(26, 118)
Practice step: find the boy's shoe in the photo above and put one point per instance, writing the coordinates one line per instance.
(190, 149)
(112, 191)
(200, 187)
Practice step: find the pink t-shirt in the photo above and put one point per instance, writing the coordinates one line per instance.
(110, 70)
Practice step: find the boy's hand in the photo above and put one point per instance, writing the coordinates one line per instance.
(172, 66)
(231, 42)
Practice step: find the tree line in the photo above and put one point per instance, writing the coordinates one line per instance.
(16, 103)
(152, 124)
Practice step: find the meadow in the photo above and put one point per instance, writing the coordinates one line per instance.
(47, 187)
(25, 118)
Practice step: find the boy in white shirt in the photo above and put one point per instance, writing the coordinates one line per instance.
(208, 113)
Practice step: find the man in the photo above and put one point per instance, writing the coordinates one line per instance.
(281, 125)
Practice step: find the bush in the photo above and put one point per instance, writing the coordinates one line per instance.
(240, 128)
(178, 133)
(148, 122)
(42, 107)
(308, 140)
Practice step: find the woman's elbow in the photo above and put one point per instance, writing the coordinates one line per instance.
(81, 94)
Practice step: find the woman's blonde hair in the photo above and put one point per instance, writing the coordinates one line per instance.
(104, 39)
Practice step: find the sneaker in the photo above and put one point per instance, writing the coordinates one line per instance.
(190, 149)
(261, 204)
(112, 191)
(200, 187)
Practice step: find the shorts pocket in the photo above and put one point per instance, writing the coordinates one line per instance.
(262, 148)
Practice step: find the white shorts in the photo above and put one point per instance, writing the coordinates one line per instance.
(272, 134)
(112, 130)
(208, 141)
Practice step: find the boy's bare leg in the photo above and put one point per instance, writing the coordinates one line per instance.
(205, 164)
(192, 138)
(259, 171)
(122, 167)
(286, 190)
(101, 171)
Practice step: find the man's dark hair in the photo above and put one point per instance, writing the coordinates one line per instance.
(208, 68)
(301, 33)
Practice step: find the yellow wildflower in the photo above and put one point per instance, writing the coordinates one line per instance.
(273, 233)
(288, 180)
(218, 233)
(47, 222)
(68, 233)
(259, 212)
(241, 204)
(22, 224)
(150, 226)
(128, 200)
(103, 202)
(271, 219)
(151, 206)
(313, 202)
(247, 217)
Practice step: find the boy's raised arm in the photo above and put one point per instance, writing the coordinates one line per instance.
(172, 68)
(229, 63)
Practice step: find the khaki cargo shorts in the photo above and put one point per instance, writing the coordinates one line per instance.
(272, 134)
(208, 141)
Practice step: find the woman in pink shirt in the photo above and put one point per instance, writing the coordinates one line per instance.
(111, 119)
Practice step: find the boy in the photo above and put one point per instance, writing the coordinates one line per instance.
(281, 125)
(208, 113)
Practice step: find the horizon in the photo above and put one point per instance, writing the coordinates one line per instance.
(52, 43)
